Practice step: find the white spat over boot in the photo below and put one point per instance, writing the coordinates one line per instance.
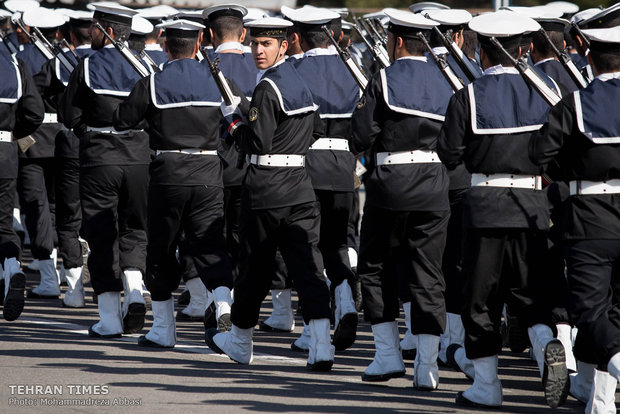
(110, 323)
(426, 371)
(388, 360)
(486, 391)
(236, 343)
(281, 318)
(74, 296)
(321, 351)
(163, 332)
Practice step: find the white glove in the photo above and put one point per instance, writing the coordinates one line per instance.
(232, 109)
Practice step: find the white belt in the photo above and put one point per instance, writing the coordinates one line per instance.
(407, 157)
(190, 151)
(111, 130)
(278, 160)
(50, 118)
(339, 144)
(582, 187)
(6, 136)
(532, 182)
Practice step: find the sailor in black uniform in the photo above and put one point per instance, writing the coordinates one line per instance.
(151, 40)
(36, 167)
(582, 135)
(113, 175)
(52, 80)
(21, 112)
(330, 163)
(278, 204)
(506, 216)
(406, 214)
(180, 105)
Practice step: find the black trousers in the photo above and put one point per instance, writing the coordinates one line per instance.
(113, 199)
(10, 244)
(502, 266)
(354, 221)
(295, 230)
(232, 213)
(594, 298)
(403, 248)
(68, 211)
(334, 236)
(198, 212)
(452, 261)
(36, 187)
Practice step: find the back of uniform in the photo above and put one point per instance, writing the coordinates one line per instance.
(21, 112)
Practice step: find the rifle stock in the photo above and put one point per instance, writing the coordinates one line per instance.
(566, 62)
(351, 65)
(461, 59)
(445, 69)
(125, 52)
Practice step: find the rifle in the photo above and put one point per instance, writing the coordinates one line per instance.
(125, 52)
(148, 59)
(376, 53)
(461, 59)
(227, 95)
(445, 69)
(377, 39)
(567, 62)
(351, 65)
(58, 52)
(66, 44)
(10, 46)
(38, 43)
(531, 77)
(199, 56)
(377, 36)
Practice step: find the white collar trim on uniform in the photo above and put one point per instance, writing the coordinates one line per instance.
(608, 76)
(84, 46)
(420, 58)
(543, 61)
(321, 51)
(153, 46)
(260, 73)
(500, 70)
(295, 56)
(229, 46)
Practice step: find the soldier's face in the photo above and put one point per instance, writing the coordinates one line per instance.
(97, 38)
(267, 51)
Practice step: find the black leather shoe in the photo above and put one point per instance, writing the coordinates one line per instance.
(320, 366)
(209, 320)
(32, 295)
(147, 343)
(94, 334)
(133, 322)
(298, 349)
(14, 301)
(382, 377)
(184, 298)
(345, 333)
(555, 378)
(262, 326)
(464, 402)
(209, 334)
(409, 354)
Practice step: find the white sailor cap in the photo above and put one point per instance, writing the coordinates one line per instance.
(192, 15)
(182, 28)
(503, 23)
(113, 13)
(342, 11)
(584, 15)
(404, 23)
(221, 10)
(157, 14)
(346, 25)
(608, 17)
(536, 12)
(448, 17)
(564, 6)
(4, 14)
(426, 5)
(269, 27)
(44, 18)
(605, 40)
(141, 26)
(20, 5)
(313, 16)
(254, 14)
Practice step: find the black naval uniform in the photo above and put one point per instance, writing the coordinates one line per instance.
(487, 127)
(36, 166)
(113, 167)
(278, 204)
(406, 214)
(181, 107)
(21, 113)
(241, 70)
(67, 154)
(52, 80)
(583, 135)
(329, 162)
